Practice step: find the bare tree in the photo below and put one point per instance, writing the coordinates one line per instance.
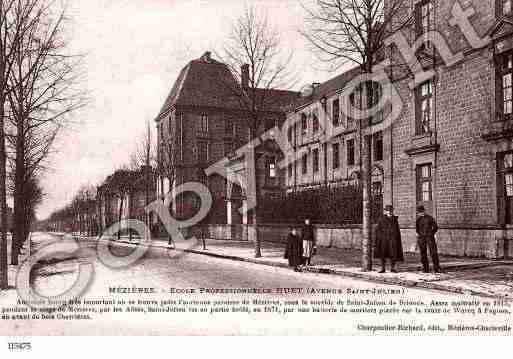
(257, 62)
(43, 79)
(144, 160)
(10, 30)
(354, 31)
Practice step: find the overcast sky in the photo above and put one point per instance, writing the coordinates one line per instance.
(134, 52)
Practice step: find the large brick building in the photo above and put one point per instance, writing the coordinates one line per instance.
(202, 122)
(451, 148)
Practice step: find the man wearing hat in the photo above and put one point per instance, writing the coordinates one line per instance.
(426, 228)
(388, 240)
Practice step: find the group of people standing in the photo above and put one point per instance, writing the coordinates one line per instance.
(301, 249)
(387, 240)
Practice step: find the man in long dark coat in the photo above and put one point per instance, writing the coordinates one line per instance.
(294, 250)
(388, 240)
(426, 228)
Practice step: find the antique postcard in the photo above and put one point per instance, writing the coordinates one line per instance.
(258, 167)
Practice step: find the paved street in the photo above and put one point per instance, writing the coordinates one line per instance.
(161, 271)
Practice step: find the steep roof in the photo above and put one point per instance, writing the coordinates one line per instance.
(326, 88)
(276, 100)
(205, 82)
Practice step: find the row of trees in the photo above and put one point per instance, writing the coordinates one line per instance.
(340, 31)
(39, 91)
(129, 190)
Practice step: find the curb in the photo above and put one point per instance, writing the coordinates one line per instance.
(372, 278)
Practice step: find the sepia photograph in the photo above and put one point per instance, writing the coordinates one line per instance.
(255, 168)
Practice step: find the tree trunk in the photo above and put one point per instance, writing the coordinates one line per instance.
(366, 219)
(129, 207)
(4, 284)
(120, 214)
(253, 160)
(19, 184)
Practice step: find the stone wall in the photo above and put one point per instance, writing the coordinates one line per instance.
(484, 242)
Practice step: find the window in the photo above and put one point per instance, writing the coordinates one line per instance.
(336, 112)
(315, 122)
(316, 160)
(506, 7)
(424, 185)
(505, 187)
(305, 163)
(336, 155)
(170, 126)
(373, 98)
(204, 123)
(304, 124)
(424, 17)
(203, 151)
(424, 108)
(350, 152)
(506, 74)
(291, 170)
(377, 140)
(289, 135)
(271, 161)
(350, 110)
(503, 7)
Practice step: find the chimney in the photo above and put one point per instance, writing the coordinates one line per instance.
(244, 75)
(206, 57)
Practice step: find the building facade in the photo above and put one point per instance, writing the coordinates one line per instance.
(201, 123)
(450, 149)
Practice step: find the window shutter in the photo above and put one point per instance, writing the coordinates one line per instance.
(501, 200)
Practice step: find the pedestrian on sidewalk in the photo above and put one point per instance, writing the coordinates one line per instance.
(309, 243)
(388, 240)
(294, 250)
(426, 229)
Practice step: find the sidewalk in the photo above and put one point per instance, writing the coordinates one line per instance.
(484, 277)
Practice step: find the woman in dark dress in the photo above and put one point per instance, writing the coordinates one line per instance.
(294, 250)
